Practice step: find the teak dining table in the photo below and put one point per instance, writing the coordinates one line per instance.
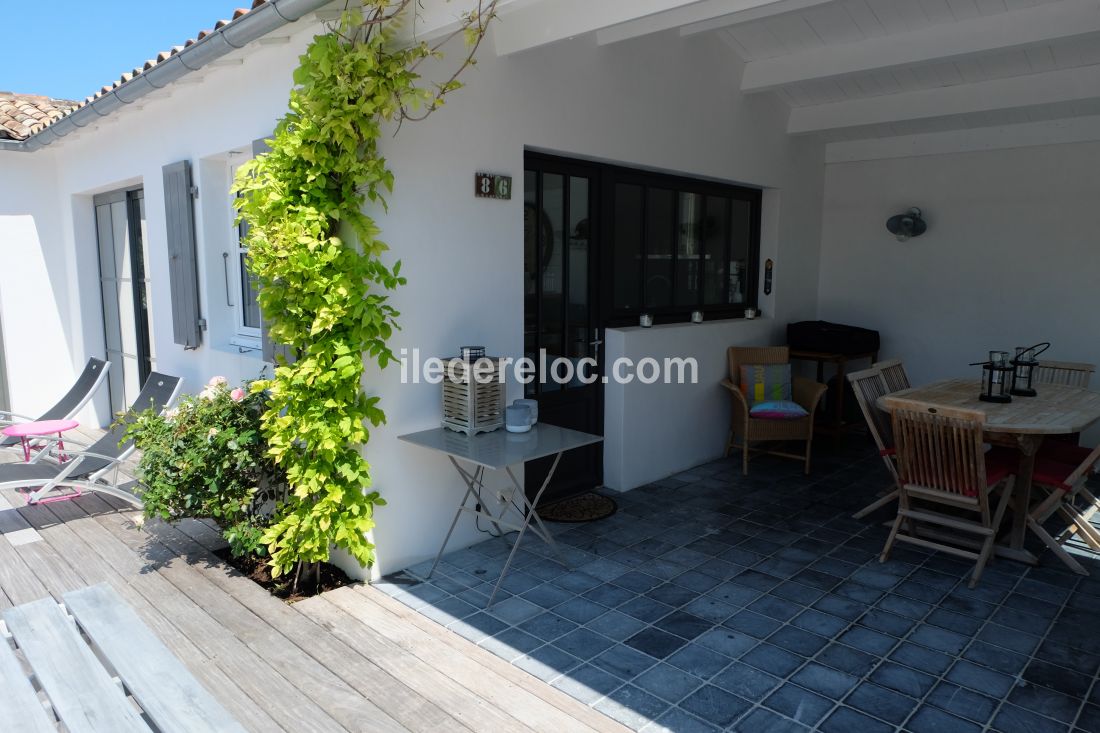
(1023, 423)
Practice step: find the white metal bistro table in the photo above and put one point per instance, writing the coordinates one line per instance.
(495, 451)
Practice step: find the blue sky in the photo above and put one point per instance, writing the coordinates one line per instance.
(70, 48)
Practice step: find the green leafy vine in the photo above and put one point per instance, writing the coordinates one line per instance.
(319, 261)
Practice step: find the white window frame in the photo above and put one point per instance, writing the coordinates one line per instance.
(244, 336)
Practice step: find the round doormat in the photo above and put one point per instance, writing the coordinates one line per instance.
(581, 508)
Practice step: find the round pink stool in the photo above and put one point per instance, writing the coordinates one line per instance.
(26, 431)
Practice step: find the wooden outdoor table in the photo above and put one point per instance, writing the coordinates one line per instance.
(1022, 423)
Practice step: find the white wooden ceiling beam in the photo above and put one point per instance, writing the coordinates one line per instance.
(1052, 87)
(748, 13)
(540, 23)
(1030, 26)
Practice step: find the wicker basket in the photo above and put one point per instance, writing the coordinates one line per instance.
(472, 405)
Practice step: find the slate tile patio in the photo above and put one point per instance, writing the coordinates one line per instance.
(712, 601)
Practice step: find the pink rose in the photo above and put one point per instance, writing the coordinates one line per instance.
(237, 395)
(217, 382)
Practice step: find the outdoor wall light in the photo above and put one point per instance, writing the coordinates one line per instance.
(907, 225)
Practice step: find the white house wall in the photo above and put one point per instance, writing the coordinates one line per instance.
(661, 102)
(37, 284)
(1009, 259)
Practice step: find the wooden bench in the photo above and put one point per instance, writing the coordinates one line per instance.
(95, 668)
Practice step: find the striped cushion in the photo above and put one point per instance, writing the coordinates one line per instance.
(766, 383)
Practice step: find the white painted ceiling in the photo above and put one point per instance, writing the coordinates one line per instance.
(854, 70)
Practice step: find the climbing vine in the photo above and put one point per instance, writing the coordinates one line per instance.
(320, 264)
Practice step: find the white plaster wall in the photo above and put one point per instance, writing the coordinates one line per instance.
(1010, 257)
(36, 285)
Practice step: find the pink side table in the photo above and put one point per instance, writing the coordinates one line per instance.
(27, 431)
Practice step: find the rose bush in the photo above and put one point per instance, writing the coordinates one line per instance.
(207, 459)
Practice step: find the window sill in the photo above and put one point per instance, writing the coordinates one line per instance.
(247, 344)
(688, 324)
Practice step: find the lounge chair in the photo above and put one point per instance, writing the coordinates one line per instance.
(87, 469)
(95, 371)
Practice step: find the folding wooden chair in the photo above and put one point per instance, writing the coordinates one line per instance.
(1069, 373)
(1062, 470)
(868, 386)
(893, 371)
(942, 461)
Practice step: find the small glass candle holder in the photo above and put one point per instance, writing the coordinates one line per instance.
(697, 316)
(645, 320)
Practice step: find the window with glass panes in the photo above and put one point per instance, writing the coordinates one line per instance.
(677, 245)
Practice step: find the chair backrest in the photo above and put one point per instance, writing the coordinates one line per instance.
(1069, 373)
(738, 355)
(85, 387)
(940, 449)
(868, 386)
(893, 371)
(158, 394)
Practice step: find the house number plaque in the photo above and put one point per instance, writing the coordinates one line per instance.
(492, 186)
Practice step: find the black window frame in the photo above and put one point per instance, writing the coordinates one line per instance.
(613, 175)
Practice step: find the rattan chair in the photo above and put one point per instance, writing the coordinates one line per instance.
(893, 371)
(868, 386)
(942, 462)
(746, 430)
(1069, 373)
(1062, 471)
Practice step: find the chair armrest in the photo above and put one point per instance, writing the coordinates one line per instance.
(740, 407)
(14, 417)
(807, 393)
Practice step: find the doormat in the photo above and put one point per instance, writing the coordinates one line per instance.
(587, 507)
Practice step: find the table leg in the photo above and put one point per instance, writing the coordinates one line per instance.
(526, 523)
(471, 482)
(61, 457)
(26, 449)
(1021, 502)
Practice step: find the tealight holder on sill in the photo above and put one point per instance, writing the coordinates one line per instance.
(645, 320)
(697, 316)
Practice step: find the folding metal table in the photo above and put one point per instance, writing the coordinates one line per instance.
(495, 451)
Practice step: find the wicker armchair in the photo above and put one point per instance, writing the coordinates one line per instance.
(748, 430)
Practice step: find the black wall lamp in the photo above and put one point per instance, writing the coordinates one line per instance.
(907, 225)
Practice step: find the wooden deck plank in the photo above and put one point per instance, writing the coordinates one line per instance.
(573, 707)
(326, 689)
(166, 691)
(83, 695)
(474, 712)
(19, 582)
(265, 684)
(402, 703)
(94, 569)
(501, 692)
(20, 708)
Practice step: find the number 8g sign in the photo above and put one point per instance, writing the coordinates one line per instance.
(492, 186)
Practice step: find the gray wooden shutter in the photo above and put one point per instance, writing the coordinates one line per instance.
(269, 347)
(179, 215)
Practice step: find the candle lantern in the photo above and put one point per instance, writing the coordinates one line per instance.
(997, 378)
(1024, 365)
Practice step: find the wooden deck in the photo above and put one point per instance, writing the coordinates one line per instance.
(353, 659)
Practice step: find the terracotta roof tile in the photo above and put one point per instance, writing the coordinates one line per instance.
(22, 115)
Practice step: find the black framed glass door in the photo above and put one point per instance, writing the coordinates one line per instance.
(563, 333)
(124, 287)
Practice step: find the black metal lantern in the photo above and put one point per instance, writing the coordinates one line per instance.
(1024, 365)
(997, 378)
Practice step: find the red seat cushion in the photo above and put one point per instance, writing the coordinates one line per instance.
(1000, 463)
(1063, 452)
(1052, 473)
